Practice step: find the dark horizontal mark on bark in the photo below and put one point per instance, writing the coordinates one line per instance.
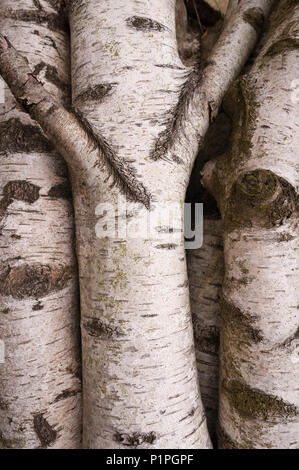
(96, 92)
(101, 329)
(20, 191)
(169, 66)
(253, 403)
(283, 45)
(135, 439)
(141, 23)
(37, 306)
(46, 434)
(123, 174)
(53, 21)
(175, 118)
(60, 191)
(240, 323)
(255, 17)
(18, 137)
(260, 198)
(66, 394)
(51, 75)
(191, 413)
(166, 246)
(34, 280)
(207, 337)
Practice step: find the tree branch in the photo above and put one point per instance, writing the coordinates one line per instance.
(189, 124)
(71, 135)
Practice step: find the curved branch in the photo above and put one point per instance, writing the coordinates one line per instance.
(195, 112)
(71, 135)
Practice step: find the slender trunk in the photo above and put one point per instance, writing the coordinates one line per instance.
(205, 273)
(40, 378)
(255, 183)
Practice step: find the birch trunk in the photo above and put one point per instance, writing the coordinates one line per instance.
(205, 273)
(256, 184)
(40, 378)
(140, 377)
(138, 117)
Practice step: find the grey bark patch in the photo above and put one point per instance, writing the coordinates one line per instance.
(96, 92)
(53, 21)
(33, 280)
(60, 191)
(20, 191)
(46, 434)
(135, 439)
(175, 117)
(255, 17)
(3, 405)
(66, 394)
(240, 323)
(7, 443)
(141, 23)
(260, 198)
(18, 137)
(51, 74)
(252, 403)
(207, 337)
(101, 329)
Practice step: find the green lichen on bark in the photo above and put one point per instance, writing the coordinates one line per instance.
(260, 198)
(241, 324)
(241, 105)
(252, 403)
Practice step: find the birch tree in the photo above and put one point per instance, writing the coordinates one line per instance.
(40, 377)
(256, 184)
(138, 117)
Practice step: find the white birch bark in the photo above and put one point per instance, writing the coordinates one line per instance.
(139, 366)
(40, 378)
(256, 184)
(140, 378)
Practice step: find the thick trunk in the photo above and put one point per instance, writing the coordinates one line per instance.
(140, 377)
(40, 378)
(256, 186)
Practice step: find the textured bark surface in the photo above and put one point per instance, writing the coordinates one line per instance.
(256, 186)
(140, 377)
(205, 273)
(140, 374)
(40, 387)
